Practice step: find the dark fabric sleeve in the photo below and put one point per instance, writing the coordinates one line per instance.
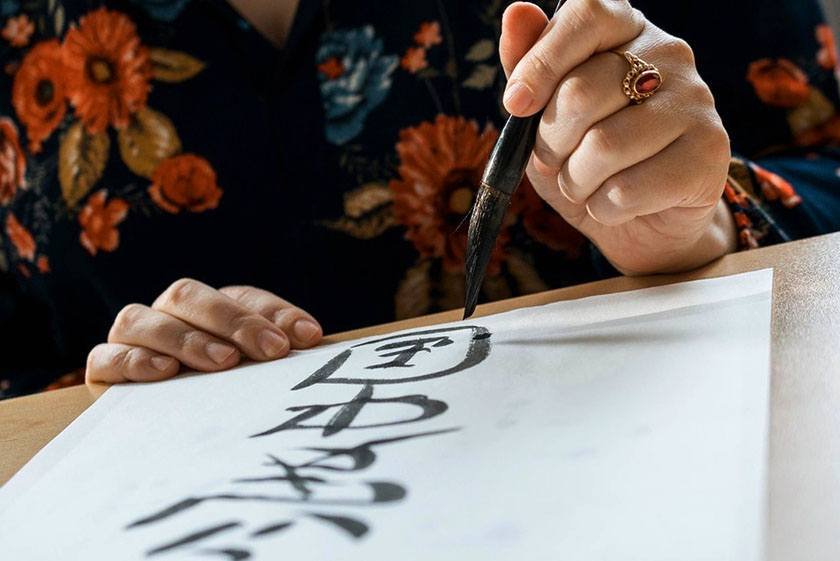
(782, 198)
(774, 200)
(29, 359)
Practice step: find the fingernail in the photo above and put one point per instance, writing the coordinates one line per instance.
(219, 353)
(592, 216)
(162, 363)
(518, 98)
(271, 343)
(306, 330)
(565, 192)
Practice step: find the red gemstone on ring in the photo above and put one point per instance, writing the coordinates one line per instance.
(647, 82)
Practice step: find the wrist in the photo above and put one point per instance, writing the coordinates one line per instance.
(716, 239)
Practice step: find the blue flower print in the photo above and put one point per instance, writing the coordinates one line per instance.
(355, 78)
(9, 7)
(163, 10)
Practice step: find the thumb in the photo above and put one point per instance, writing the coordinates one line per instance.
(522, 24)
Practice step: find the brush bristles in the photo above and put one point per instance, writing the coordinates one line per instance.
(488, 213)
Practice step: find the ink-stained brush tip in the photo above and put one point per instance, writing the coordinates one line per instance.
(485, 222)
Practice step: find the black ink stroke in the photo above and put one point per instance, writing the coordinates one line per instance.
(271, 529)
(231, 553)
(409, 348)
(363, 455)
(193, 537)
(382, 492)
(299, 483)
(354, 527)
(348, 410)
(477, 351)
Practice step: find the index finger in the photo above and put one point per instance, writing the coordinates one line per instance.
(303, 330)
(578, 30)
(215, 313)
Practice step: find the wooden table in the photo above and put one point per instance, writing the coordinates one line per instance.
(804, 462)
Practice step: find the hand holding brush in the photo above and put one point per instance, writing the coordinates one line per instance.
(618, 133)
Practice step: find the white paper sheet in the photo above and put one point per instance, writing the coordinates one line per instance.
(623, 427)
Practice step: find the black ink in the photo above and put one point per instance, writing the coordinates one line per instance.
(382, 492)
(478, 350)
(401, 350)
(362, 454)
(166, 513)
(331, 366)
(271, 529)
(230, 553)
(298, 482)
(348, 411)
(354, 527)
(192, 538)
(410, 348)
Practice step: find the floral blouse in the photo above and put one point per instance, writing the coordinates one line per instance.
(146, 140)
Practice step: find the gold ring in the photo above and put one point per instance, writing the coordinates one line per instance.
(642, 80)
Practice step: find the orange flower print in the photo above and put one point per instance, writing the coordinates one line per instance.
(43, 264)
(108, 70)
(12, 161)
(428, 35)
(20, 237)
(543, 224)
(779, 83)
(38, 92)
(185, 182)
(99, 222)
(827, 55)
(414, 59)
(18, 31)
(331, 68)
(440, 169)
(775, 187)
(827, 132)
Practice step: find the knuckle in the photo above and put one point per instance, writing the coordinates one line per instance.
(287, 316)
(246, 324)
(178, 292)
(129, 359)
(127, 318)
(584, 16)
(598, 141)
(192, 341)
(678, 49)
(540, 63)
(594, 9)
(719, 139)
(237, 292)
(712, 140)
(574, 97)
(700, 90)
(635, 14)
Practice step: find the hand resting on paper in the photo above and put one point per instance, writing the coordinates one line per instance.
(643, 182)
(198, 327)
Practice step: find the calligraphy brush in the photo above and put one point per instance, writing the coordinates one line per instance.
(501, 177)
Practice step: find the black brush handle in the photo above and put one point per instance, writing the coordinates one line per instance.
(509, 158)
(510, 155)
